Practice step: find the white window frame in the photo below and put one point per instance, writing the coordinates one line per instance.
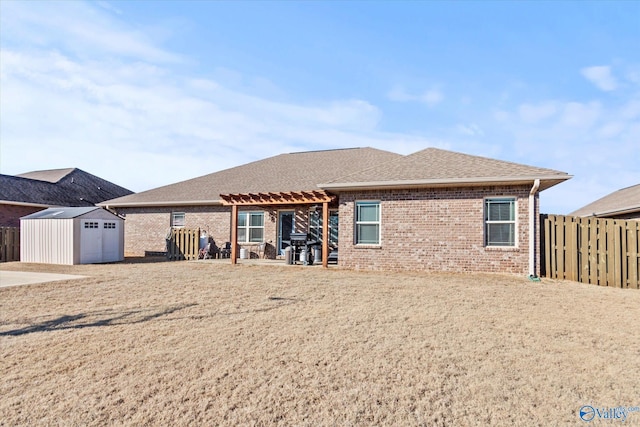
(247, 227)
(357, 222)
(315, 225)
(175, 223)
(513, 222)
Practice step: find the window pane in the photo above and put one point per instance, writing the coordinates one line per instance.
(255, 234)
(242, 219)
(242, 234)
(368, 234)
(178, 219)
(368, 212)
(500, 234)
(501, 210)
(257, 219)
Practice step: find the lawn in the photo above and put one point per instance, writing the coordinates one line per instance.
(202, 343)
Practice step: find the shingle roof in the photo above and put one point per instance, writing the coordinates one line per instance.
(74, 187)
(285, 172)
(436, 167)
(626, 200)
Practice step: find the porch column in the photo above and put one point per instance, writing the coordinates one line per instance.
(234, 233)
(325, 234)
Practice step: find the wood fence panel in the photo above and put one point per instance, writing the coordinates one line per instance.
(599, 251)
(9, 244)
(183, 244)
(632, 232)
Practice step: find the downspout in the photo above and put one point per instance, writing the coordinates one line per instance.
(532, 229)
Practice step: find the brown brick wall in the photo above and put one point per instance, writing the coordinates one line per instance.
(147, 228)
(436, 230)
(10, 214)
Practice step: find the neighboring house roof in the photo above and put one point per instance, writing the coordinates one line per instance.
(61, 213)
(434, 167)
(60, 187)
(621, 202)
(285, 172)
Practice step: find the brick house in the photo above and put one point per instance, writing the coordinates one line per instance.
(621, 204)
(27, 193)
(434, 210)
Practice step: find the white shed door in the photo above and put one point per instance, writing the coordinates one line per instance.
(110, 241)
(90, 241)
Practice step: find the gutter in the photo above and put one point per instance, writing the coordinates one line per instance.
(32, 205)
(443, 182)
(532, 229)
(152, 204)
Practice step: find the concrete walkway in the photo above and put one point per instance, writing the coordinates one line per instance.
(17, 278)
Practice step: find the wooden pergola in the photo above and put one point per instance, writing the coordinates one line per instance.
(279, 198)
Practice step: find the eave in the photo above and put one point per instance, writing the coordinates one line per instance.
(545, 183)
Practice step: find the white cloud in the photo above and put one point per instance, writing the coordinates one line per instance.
(601, 77)
(136, 120)
(471, 129)
(535, 113)
(430, 97)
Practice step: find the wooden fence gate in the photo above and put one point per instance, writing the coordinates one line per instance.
(599, 251)
(183, 243)
(9, 244)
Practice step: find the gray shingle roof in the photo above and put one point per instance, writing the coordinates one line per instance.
(433, 166)
(285, 172)
(73, 187)
(626, 200)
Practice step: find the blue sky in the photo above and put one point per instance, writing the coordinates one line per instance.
(150, 93)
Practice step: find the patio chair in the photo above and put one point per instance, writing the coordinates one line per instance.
(211, 251)
(261, 250)
(226, 251)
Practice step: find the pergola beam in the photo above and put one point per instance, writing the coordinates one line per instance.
(282, 198)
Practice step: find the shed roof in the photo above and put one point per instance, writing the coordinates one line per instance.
(436, 167)
(291, 172)
(623, 201)
(62, 213)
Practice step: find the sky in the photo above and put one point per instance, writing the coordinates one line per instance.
(149, 93)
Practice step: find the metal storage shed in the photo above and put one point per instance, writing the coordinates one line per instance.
(83, 235)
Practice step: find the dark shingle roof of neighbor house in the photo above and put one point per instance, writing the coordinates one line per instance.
(358, 167)
(623, 201)
(434, 167)
(284, 172)
(59, 187)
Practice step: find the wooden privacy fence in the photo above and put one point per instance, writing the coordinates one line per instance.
(599, 251)
(9, 244)
(183, 243)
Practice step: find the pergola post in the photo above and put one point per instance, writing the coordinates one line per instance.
(234, 233)
(325, 234)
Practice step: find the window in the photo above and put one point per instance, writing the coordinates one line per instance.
(250, 226)
(177, 219)
(500, 221)
(91, 225)
(110, 225)
(315, 226)
(368, 223)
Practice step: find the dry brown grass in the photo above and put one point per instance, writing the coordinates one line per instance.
(210, 344)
